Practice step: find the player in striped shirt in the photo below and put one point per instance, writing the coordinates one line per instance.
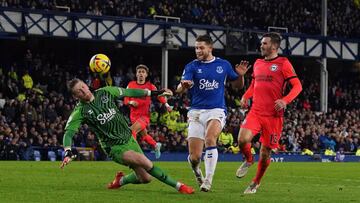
(99, 111)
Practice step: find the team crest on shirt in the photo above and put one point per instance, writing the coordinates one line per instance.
(274, 67)
(219, 69)
(104, 99)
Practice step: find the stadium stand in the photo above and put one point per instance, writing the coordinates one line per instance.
(34, 103)
(32, 119)
(297, 16)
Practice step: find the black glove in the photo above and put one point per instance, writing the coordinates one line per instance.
(68, 157)
(68, 153)
(157, 92)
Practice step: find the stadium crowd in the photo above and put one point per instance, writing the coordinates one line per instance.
(35, 105)
(297, 16)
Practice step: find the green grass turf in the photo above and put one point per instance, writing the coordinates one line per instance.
(86, 182)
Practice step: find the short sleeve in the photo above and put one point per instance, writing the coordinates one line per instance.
(288, 70)
(152, 87)
(188, 73)
(231, 73)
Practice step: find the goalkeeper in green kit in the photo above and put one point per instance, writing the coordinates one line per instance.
(99, 111)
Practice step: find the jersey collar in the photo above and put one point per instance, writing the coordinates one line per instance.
(209, 61)
(272, 58)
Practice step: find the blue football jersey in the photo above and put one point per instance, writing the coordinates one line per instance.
(209, 78)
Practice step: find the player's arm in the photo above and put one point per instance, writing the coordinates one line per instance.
(248, 94)
(186, 81)
(162, 99)
(241, 70)
(122, 92)
(296, 87)
(128, 101)
(72, 126)
(295, 90)
(183, 86)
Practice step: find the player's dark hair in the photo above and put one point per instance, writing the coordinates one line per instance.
(142, 66)
(274, 38)
(71, 83)
(205, 38)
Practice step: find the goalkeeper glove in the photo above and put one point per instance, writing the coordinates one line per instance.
(68, 156)
(161, 92)
(68, 153)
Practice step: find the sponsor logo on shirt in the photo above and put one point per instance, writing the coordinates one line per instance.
(219, 69)
(104, 99)
(107, 116)
(207, 85)
(199, 70)
(264, 78)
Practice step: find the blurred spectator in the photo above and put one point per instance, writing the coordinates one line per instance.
(38, 120)
(226, 137)
(298, 16)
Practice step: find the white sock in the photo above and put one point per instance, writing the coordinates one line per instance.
(210, 159)
(178, 185)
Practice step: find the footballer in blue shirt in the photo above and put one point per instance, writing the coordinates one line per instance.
(204, 79)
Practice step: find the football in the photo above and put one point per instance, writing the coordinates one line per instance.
(100, 63)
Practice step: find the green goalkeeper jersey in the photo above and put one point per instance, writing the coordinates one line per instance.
(103, 117)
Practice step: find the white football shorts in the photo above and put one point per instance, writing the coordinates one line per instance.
(198, 119)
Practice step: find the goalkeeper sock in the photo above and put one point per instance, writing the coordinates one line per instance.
(129, 179)
(262, 166)
(210, 160)
(163, 177)
(246, 150)
(148, 139)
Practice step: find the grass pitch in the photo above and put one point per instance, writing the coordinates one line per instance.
(86, 182)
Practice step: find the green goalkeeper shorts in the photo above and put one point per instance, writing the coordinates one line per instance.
(117, 151)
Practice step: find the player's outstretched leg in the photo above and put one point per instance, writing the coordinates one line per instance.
(144, 169)
(197, 171)
(245, 137)
(263, 164)
(121, 180)
(195, 151)
(251, 189)
(163, 177)
(249, 160)
(155, 145)
(213, 130)
(210, 159)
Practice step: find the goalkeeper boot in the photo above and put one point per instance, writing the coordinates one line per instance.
(116, 182)
(184, 189)
(157, 150)
(251, 189)
(243, 169)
